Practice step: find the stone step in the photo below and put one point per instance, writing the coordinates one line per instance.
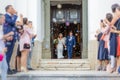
(65, 60)
(65, 64)
(64, 75)
(65, 69)
(80, 65)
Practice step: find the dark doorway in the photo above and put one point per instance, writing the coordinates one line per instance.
(63, 20)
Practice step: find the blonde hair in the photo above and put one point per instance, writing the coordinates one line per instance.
(60, 34)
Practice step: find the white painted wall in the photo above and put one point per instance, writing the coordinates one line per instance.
(27, 7)
(97, 10)
(3, 4)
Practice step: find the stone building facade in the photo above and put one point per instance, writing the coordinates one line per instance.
(38, 11)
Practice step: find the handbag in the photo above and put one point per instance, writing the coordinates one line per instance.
(26, 46)
(1, 56)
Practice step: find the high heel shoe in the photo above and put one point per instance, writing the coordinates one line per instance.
(112, 70)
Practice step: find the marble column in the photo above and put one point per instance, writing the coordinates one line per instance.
(85, 28)
(46, 43)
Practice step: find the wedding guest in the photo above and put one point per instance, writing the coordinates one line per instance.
(9, 25)
(33, 36)
(113, 36)
(18, 56)
(106, 34)
(102, 55)
(3, 49)
(25, 41)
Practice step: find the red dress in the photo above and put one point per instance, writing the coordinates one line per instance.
(118, 46)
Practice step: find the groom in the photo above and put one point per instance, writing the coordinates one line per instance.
(70, 44)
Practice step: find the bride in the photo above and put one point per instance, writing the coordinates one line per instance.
(60, 45)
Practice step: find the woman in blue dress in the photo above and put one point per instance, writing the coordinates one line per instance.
(102, 51)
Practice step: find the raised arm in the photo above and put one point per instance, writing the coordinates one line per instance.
(114, 21)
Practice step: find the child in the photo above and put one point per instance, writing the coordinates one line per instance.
(3, 63)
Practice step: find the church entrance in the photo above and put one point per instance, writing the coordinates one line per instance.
(65, 17)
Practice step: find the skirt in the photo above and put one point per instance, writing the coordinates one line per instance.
(113, 45)
(102, 51)
(118, 46)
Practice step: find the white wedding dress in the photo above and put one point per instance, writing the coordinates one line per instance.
(60, 45)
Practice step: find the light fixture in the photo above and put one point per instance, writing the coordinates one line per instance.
(59, 6)
(59, 12)
(75, 22)
(63, 20)
(54, 20)
(67, 23)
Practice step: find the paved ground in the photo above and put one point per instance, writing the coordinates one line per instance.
(66, 73)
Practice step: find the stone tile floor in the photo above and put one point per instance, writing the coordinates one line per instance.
(66, 73)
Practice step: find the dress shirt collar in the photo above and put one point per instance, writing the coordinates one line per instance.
(9, 14)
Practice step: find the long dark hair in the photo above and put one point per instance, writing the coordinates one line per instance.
(25, 21)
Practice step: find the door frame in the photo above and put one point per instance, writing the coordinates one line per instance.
(46, 42)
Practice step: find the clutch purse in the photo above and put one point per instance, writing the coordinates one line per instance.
(26, 46)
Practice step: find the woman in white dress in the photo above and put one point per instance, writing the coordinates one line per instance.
(60, 46)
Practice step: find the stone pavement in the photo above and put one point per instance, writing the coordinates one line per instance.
(64, 75)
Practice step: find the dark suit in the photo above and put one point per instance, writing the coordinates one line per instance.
(8, 27)
(70, 42)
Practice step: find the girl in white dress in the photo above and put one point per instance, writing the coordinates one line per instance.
(60, 46)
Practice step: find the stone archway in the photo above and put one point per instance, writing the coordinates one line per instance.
(46, 52)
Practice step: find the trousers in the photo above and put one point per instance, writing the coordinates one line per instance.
(4, 68)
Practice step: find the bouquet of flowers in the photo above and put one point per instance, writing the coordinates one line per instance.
(55, 41)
